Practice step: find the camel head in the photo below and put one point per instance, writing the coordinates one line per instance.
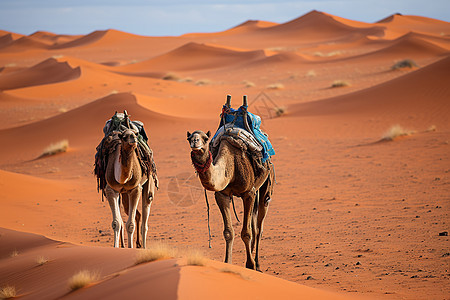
(128, 139)
(198, 140)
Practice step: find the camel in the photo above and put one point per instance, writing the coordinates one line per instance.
(124, 177)
(230, 174)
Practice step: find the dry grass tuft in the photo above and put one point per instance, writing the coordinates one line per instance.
(171, 76)
(329, 54)
(431, 128)
(406, 63)
(55, 148)
(41, 260)
(248, 83)
(82, 279)
(195, 258)
(14, 253)
(396, 131)
(340, 83)
(8, 292)
(279, 111)
(154, 252)
(234, 272)
(311, 73)
(203, 82)
(275, 86)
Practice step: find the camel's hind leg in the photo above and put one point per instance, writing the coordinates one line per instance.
(224, 201)
(117, 223)
(148, 191)
(246, 233)
(133, 197)
(265, 194)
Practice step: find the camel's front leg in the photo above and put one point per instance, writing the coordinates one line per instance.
(133, 197)
(117, 223)
(224, 201)
(147, 199)
(246, 233)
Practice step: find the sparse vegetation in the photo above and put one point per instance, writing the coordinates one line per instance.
(195, 258)
(14, 253)
(203, 82)
(154, 252)
(230, 271)
(275, 86)
(329, 54)
(248, 83)
(311, 73)
(279, 111)
(171, 76)
(340, 83)
(7, 292)
(396, 131)
(41, 260)
(431, 128)
(406, 63)
(55, 148)
(82, 279)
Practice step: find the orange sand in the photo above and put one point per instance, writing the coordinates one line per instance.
(352, 216)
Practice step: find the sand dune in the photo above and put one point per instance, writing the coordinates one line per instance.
(48, 71)
(402, 96)
(193, 56)
(79, 125)
(118, 277)
(319, 26)
(327, 229)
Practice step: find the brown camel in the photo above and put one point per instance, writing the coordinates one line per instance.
(124, 177)
(231, 173)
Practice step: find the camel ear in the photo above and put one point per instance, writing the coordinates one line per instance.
(208, 133)
(188, 135)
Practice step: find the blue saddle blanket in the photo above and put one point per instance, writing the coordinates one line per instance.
(235, 117)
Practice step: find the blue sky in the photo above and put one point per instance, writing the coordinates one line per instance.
(176, 17)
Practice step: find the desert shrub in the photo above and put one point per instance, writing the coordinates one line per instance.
(275, 86)
(171, 76)
(195, 258)
(82, 279)
(396, 131)
(340, 83)
(280, 110)
(41, 260)
(203, 82)
(55, 148)
(248, 83)
(8, 292)
(14, 253)
(311, 73)
(406, 63)
(154, 252)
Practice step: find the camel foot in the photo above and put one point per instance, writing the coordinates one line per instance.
(250, 265)
(138, 245)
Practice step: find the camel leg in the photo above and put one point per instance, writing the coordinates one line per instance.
(265, 194)
(246, 233)
(254, 220)
(133, 197)
(147, 199)
(126, 205)
(138, 238)
(223, 201)
(117, 223)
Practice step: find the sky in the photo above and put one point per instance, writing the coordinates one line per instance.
(177, 17)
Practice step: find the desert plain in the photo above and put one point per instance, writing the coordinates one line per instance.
(358, 114)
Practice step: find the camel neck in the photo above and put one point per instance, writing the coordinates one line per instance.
(201, 166)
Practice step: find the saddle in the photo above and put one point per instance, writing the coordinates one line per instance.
(120, 122)
(242, 130)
